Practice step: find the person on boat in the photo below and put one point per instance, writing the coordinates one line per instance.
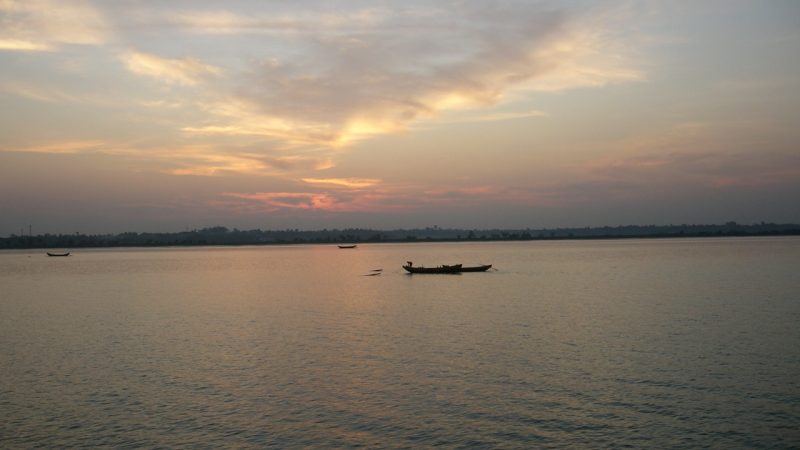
(410, 263)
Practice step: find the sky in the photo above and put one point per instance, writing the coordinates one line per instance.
(138, 115)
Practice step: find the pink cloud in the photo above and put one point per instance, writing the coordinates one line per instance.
(287, 200)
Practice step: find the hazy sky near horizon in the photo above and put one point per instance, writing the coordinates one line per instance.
(160, 116)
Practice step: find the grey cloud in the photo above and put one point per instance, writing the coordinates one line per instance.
(770, 166)
(396, 71)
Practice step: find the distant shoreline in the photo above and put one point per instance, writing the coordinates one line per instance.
(221, 236)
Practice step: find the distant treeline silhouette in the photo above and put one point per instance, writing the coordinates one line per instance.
(224, 236)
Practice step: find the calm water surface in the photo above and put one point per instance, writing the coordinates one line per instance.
(645, 343)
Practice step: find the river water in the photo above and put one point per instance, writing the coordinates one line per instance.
(646, 343)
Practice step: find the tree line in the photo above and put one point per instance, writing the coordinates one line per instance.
(220, 235)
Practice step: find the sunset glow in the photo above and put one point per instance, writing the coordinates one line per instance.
(150, 116)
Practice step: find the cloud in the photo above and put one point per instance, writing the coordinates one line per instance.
(693, 173)
(352, 183)
(38, 93)
(186, 71)
(313, 79)
(271, 201)
(326, 77)
(22, 45)
(704, 151)
(42, 25)
(333, 202)
(213, 162)
(207, 163)
(276, 22)
(244, 119)
(188, 159)
(481, 116)
(64, 147)
(377, 198)
(333, 80)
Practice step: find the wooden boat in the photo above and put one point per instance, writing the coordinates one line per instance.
(348, 246)
(441, 269)
(457, 268)
(57, 254)
(482, 268)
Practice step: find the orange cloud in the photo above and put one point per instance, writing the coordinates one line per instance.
(244, 118)
(67, 147)
(42, 25)
(186, 71)
(226, 22)
(23, 45)
(353, 183)
(352, 85)
(288, 200)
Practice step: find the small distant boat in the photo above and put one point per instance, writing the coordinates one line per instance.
(348, 246)
(456, 268)
(57, 254)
